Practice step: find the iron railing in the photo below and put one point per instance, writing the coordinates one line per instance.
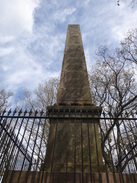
(23, 144)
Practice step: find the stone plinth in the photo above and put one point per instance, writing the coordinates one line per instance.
(74, 142)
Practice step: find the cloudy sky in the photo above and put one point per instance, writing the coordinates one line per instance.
(33, 33)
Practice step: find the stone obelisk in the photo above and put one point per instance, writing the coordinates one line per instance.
(74, 84)
(74, 144)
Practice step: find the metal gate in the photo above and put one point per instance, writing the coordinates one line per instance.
(23, 143)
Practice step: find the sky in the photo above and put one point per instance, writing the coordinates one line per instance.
(33, 33)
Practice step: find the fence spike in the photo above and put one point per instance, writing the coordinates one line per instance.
(110, 114)
(98, 113)
(25, 112)
(126, 114)
(9, 112)
(14, 112)
(41, 112)
(103, 113)
(4, 111)
(20, 111)
(36, 112)
(30, 112)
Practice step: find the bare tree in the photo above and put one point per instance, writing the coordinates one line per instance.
(37, 101)
(4, 99)
(113, 86)
(43, 96)
(128, 50)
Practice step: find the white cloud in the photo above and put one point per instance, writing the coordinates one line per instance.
(62, 15)
(22, 71)
(127, 21)
(6, 51)
(6, 39)
(86, 2)
(5, 67)
(16, 16)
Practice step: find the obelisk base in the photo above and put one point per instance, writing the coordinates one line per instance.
(74, 141)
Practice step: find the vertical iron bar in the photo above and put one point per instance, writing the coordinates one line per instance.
(89, 147)
(5, 142)
(111, 153)
(74, 147)
(43, 168)
(8, 128)
(4, 123)
(126, 158)
(61, 138)
(82, 168)
(39, 152)
(97, 153)
(12, 133)
(17, 154)
(68, 139)
(26, 147)
(130, 144)
(116, 143)
(10, 159)
(101, 134)
(30, 165)
(43, 130)
(57, 121)
(3, 161)
(130, 147)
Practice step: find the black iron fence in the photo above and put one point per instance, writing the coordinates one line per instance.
(91, 145)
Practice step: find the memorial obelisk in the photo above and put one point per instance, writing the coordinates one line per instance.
(72, 145)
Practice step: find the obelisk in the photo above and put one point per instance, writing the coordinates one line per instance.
(74, 144)
(74, 84)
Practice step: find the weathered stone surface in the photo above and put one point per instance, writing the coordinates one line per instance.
(74, 84)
